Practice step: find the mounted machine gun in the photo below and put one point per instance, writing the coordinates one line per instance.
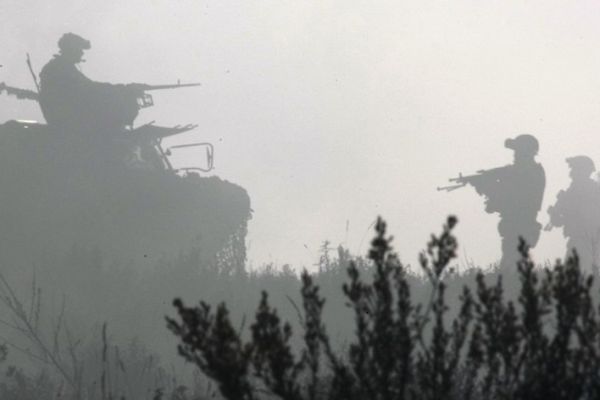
(149, 138)
(145, 100)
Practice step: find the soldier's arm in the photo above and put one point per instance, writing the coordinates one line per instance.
(483, 184)
(88, 84)
(489, 180)
(556, 211)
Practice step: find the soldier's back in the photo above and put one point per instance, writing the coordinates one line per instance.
(63, 98)
(580, 207)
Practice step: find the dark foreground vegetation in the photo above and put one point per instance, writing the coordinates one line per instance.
(383, 333)
(544, 345)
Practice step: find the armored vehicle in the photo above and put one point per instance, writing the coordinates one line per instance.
(114, 189)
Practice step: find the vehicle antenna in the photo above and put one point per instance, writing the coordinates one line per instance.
(37, 86)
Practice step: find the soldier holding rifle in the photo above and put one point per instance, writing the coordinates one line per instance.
(515, 192)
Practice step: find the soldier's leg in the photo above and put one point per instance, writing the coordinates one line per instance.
(510, 253)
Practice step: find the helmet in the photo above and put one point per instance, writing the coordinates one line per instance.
(71, 41)
(581, 163)
(525, 143)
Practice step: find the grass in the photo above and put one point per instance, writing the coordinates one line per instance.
(358, 328)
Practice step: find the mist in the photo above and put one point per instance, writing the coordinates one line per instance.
(337, 111)
(323, 115)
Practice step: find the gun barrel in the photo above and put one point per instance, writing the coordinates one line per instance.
(176, 86)
(450, 188)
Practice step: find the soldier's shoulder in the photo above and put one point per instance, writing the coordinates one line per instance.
(57, 66)
(51, 66)
(538, 165)
(53, 62)
(539, 169)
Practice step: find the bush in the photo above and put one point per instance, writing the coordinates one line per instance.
(545, 344)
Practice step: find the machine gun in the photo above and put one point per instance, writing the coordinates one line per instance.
(485, 182)
(145, 100)
(18, 93)
(149, 138)
(462, 181)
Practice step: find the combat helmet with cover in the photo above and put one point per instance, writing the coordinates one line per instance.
(70, 41)
(525, 143)
(581, 164)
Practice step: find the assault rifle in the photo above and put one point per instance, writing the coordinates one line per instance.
(482, 174)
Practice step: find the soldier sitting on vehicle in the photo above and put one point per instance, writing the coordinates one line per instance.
(577, 211)
(71, 101)
(97, 118)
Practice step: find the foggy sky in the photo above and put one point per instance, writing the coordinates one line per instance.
(333, 112)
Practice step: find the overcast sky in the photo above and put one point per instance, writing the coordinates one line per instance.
(333, 112)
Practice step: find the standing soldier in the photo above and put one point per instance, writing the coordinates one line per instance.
(515, 192)
(577, 211)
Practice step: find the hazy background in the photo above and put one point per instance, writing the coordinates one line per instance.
(333, 112)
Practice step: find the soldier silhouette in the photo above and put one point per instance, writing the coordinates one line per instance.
(577, 211)
(71, 101)
(515, 192)
(97, 118)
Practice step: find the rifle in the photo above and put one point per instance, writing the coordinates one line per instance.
(462, 181)
(18, 93)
